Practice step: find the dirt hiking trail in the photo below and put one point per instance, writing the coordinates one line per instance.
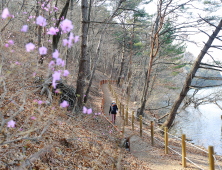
(141, 147)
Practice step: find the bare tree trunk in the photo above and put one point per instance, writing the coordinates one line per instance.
(83, 54)
(190, 76)
(130, 64)
(55, 38)
(123, 58)
(154, 44)
(98, 49)
(88, 70)
(112, 69)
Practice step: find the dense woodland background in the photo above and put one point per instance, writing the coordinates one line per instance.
(146, 53)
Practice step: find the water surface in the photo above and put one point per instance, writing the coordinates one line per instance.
(202, 125)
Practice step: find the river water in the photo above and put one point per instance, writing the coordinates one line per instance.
(203, 125)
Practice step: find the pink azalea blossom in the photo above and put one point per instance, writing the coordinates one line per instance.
(89, 111)
(64, 104)
(66, 73)
(56, 76)
(30, 16)
(55, 54)
(24, 12)
(84, 109)
(5, 13)
(34, 74)
(33, 118)
(41, 21)
(6, 45)
(65, 42)
(99, 113)
(11, 42)
(29, 47)
(51, 64)
(58, 61)
(42, 50)
(95, 113)
(66, 25)
(76, 39)
(57, 91)
(70, 40)
(52, 31)
(39, 102)
(20, 129)
(35, 101)
(11, 123)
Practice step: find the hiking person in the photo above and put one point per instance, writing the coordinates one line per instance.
(113, 110)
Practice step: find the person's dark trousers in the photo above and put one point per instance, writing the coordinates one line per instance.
(113, 118)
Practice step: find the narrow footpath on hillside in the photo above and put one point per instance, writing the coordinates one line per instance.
(141, 147)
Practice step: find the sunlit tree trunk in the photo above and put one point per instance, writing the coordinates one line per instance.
(168, 123)
(123, 59)
(83, 54)
(99, 48)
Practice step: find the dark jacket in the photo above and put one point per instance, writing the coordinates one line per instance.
(113, 109)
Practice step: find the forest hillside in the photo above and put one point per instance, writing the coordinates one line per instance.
(62, 60)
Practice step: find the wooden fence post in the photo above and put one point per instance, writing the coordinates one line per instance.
(123, 111)
(120, 109)
(127, 116)
(123, 126)
(166, 140)
(140, 125)
(132, 120)
(211, 158)
(152, 133)
(183, 150)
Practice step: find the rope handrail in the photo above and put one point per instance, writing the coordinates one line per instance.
(196, 147)
(103, 82)
(157, 128)
(159, 141)
(181, 139)
(216, 162)
(179, 153)
(193, 163)
(174, 136)
(176, 151)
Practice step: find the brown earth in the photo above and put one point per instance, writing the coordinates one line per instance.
(154, 156)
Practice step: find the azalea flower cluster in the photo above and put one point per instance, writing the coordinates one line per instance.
(65, 27)
(57, 74)
(9, 43)
(89, 111)
(38, 102)
(6, 14)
